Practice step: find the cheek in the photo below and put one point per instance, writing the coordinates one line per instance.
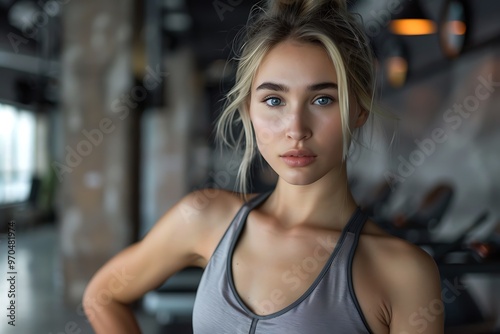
(267, 128)
(329, 133)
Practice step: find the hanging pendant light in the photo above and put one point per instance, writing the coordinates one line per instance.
(453, 28)
(395, 61)
(412, 21)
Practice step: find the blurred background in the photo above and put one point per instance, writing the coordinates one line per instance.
(106, 119)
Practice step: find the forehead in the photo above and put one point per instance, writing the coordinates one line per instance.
(296, 64)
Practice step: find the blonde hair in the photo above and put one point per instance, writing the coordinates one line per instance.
(324, 22)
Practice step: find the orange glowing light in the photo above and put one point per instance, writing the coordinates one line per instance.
(397, 69)
(413, 27)
(456, 27)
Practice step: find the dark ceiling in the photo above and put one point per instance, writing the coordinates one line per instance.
(210, 27)
(213, 31)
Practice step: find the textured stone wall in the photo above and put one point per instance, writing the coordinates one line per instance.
(174, 149)
(98, 116)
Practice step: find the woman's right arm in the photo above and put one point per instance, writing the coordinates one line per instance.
(174, 243)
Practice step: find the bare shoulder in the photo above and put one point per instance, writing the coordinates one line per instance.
(399, 258)
(208, 205)
(209, 211)
(184, 236)
(410, 280)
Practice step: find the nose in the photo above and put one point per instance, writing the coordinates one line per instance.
(298, 128)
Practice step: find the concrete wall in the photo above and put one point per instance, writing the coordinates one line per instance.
(94, 173)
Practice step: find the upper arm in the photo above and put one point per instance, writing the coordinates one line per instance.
(172, 245)
(415, 293)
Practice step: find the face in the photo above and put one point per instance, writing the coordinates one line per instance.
(295, 113)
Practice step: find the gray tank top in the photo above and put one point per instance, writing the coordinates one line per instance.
(328, 306)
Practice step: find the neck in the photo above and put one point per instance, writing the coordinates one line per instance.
(327, 202)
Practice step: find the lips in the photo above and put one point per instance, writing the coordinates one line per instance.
(298, 153)
(298, 158)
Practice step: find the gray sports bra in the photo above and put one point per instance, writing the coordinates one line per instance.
(328, 306)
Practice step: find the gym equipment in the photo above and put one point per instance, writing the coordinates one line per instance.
(417, 226)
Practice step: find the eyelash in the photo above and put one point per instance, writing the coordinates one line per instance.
(275, 97)
(326, 97)
(269, 98)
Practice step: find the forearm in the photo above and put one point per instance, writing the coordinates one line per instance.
(113, 317)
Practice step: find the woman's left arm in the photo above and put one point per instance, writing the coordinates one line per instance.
(415, 293)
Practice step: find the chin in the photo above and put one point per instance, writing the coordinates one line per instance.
(298, 183)
(297, 178)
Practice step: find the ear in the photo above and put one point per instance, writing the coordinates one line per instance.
(361, 117)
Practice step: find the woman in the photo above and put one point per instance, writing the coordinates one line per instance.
(302, 258)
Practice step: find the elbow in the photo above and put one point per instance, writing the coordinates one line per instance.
(96, 298)
(89, 301)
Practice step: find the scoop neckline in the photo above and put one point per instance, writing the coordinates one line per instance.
(307, 292)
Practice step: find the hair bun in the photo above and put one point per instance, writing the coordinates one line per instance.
(303, 7)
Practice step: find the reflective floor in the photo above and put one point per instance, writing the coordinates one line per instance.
(39, 301)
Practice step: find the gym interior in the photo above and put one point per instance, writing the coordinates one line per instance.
(107, 113)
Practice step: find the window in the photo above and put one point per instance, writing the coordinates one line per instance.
(17, 153)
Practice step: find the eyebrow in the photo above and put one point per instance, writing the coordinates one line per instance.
(283, 88)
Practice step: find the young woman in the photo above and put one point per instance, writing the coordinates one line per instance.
(302, 258)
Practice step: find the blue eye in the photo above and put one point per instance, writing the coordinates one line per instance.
(273, 101)
(324, 100)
